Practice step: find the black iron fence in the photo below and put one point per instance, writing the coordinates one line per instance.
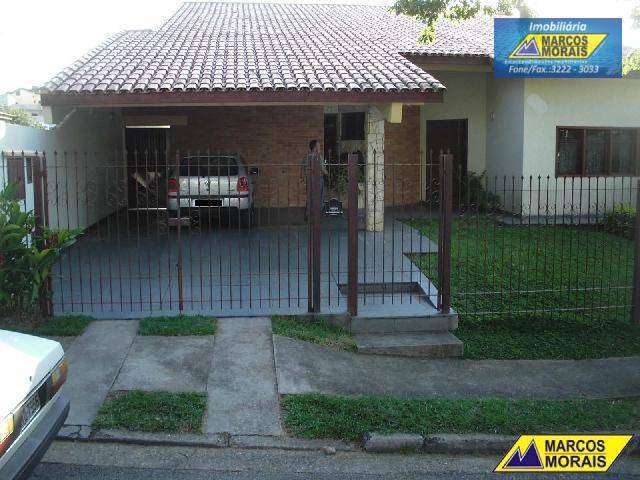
(206, 232)
(541, 247)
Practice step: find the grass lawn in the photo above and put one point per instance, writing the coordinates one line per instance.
(349, 418)
(60, 326)
(153, 412)
(178, 325)
(320, 332)
(538, 291)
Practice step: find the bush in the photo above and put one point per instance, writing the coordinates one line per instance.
(620, 220)
(27, 255)
(474, 194)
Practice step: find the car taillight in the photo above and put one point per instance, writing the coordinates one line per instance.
(173, 186)
(6, 430)
(58, 377)
(243, 184)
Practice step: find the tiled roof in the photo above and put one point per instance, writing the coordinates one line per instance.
(468, 38)
(256, 47)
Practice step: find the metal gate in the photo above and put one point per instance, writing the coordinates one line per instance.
(167, 232)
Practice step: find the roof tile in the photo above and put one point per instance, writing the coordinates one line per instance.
(252, 46)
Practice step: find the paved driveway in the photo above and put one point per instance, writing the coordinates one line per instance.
(123, 271)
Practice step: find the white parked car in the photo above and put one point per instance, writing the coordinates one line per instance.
(207, 185)
(32, 405)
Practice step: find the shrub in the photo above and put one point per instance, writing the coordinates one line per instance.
(620, 220)
(474, 194)
(27, 255)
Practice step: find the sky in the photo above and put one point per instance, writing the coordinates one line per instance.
(39, 38)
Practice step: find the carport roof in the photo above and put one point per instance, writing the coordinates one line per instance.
(240, 48)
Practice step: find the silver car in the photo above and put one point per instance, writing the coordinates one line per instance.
(208, 185)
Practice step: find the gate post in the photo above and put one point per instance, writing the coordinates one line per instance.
(352, 268)
(41, 214)
(179, 238)
(444, 232)
(314, 179)
(635, 309)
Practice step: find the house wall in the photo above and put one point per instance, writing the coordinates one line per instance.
(82, 164)
(402, 158)
(273, 138)
(549, 103)
(465, 98)
(505, 131)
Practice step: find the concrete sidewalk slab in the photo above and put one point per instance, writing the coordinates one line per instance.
(303, 367)
(170, 364)
(95, 358)
(242, 390)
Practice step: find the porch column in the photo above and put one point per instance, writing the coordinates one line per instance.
(374, 171)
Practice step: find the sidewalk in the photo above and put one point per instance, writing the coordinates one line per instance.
(244, 368)
(308, 368)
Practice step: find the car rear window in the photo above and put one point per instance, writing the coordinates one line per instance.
(208, 167)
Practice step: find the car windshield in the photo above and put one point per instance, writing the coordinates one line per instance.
(204, 166)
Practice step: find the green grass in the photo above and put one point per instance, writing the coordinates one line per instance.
(60, 326)
(349, 418)
(153, 412)
(319, 331)
(538, 291)
(178, 325)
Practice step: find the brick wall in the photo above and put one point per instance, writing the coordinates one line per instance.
(402, 158)
(273, 138)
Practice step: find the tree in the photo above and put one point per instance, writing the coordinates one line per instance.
(430, 11)
(631, 63)
(20, 117)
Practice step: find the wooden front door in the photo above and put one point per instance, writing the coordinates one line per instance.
(451, 136)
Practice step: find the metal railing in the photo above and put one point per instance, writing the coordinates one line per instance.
(387, 235)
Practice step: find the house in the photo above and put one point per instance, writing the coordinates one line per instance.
(263, 80)
(24, 99)
(268, 77)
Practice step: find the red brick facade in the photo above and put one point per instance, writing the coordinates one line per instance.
(402, 158)
(275, 139)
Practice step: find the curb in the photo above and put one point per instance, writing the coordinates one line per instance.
(373, 442)
(215, 440)
(454, 444)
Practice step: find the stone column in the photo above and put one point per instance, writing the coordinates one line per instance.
(374, 171)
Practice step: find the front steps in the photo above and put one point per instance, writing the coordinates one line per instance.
(424, 344)
(426, 336)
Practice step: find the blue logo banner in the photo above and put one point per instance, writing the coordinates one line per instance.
(557, 47)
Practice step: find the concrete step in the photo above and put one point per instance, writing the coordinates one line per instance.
(436, 322)
(426, 345)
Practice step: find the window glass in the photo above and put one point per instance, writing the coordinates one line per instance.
(569, 151)
(15, 174)
(623, 151)
(352, 126)
(596, 151)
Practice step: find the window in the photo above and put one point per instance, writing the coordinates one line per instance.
(352, 126)
(586, 151)
(15, 174)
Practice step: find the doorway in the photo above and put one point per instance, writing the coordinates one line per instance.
(447, 135)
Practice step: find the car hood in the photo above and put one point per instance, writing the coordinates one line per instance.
(25, 360)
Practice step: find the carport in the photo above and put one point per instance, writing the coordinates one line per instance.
(190, 89)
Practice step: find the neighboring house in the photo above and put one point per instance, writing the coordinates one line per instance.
(267, 78)
(23, 99)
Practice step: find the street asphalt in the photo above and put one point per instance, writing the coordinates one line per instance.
(73, 472)
(110, 461)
